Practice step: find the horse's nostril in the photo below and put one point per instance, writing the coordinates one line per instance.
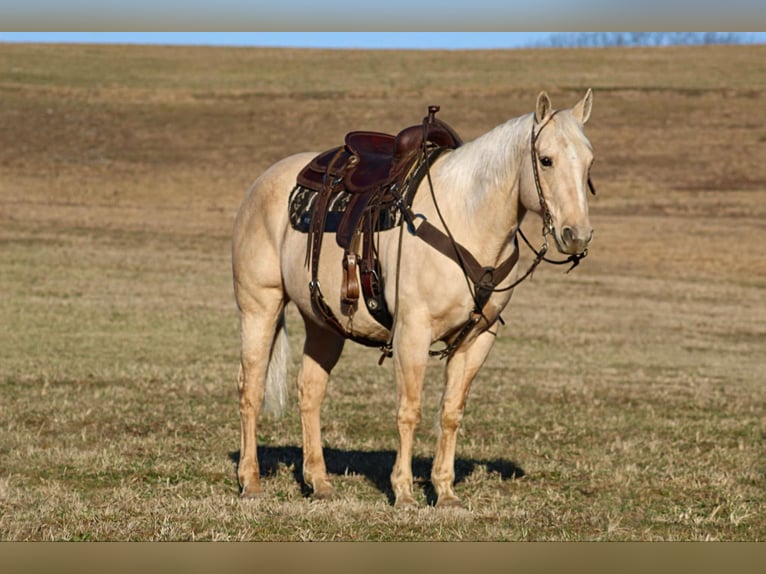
(575, 239)
(572, 235)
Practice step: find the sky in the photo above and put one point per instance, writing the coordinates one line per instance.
(366, 40)
(401, 40)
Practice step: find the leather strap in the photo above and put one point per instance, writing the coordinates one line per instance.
(485, 279)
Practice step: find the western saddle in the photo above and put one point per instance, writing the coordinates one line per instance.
(377, 170)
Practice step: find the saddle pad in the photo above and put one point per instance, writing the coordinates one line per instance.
(302, 200)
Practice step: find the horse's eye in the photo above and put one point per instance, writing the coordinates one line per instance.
(546, 161)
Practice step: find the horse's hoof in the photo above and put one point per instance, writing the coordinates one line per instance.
(449, 502)
(405, 502)
(252, 493)
(326, 493)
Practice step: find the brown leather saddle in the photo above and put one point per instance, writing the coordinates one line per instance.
(377, 170)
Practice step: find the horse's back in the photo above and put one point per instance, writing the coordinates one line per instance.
(266, 200)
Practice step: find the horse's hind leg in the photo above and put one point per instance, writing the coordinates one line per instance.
(258, 324)
(321, 352)
(460, 372)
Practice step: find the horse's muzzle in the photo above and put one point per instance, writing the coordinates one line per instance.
(574, 240)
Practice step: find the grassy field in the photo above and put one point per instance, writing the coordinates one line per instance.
(624, 401)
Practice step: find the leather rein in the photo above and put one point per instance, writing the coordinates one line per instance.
(482, 281)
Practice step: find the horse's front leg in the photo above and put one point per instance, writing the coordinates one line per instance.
(461, 369)
(410, 358)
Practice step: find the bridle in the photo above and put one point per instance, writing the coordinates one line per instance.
(547, 217)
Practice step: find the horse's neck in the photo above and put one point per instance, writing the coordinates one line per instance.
(477, 188)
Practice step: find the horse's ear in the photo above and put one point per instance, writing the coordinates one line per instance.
(543, 108)
(581, 111)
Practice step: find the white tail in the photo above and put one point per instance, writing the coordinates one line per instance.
(275, 396)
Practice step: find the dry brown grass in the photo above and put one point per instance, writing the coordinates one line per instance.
(628, 405)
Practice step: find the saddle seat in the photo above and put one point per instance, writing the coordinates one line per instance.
(370, 164)
(362, 164)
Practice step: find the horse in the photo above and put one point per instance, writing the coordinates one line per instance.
(477, 194)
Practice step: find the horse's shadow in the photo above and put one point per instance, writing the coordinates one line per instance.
(376, 466)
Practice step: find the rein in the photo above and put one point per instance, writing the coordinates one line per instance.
(484, 279)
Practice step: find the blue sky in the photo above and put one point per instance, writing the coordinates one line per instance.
(406, 40)
(424, 40)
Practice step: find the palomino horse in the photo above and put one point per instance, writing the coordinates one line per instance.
(478, 194)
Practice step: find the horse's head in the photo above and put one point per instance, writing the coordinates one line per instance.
(561, 157)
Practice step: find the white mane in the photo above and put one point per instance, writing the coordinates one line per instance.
(487, 163)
